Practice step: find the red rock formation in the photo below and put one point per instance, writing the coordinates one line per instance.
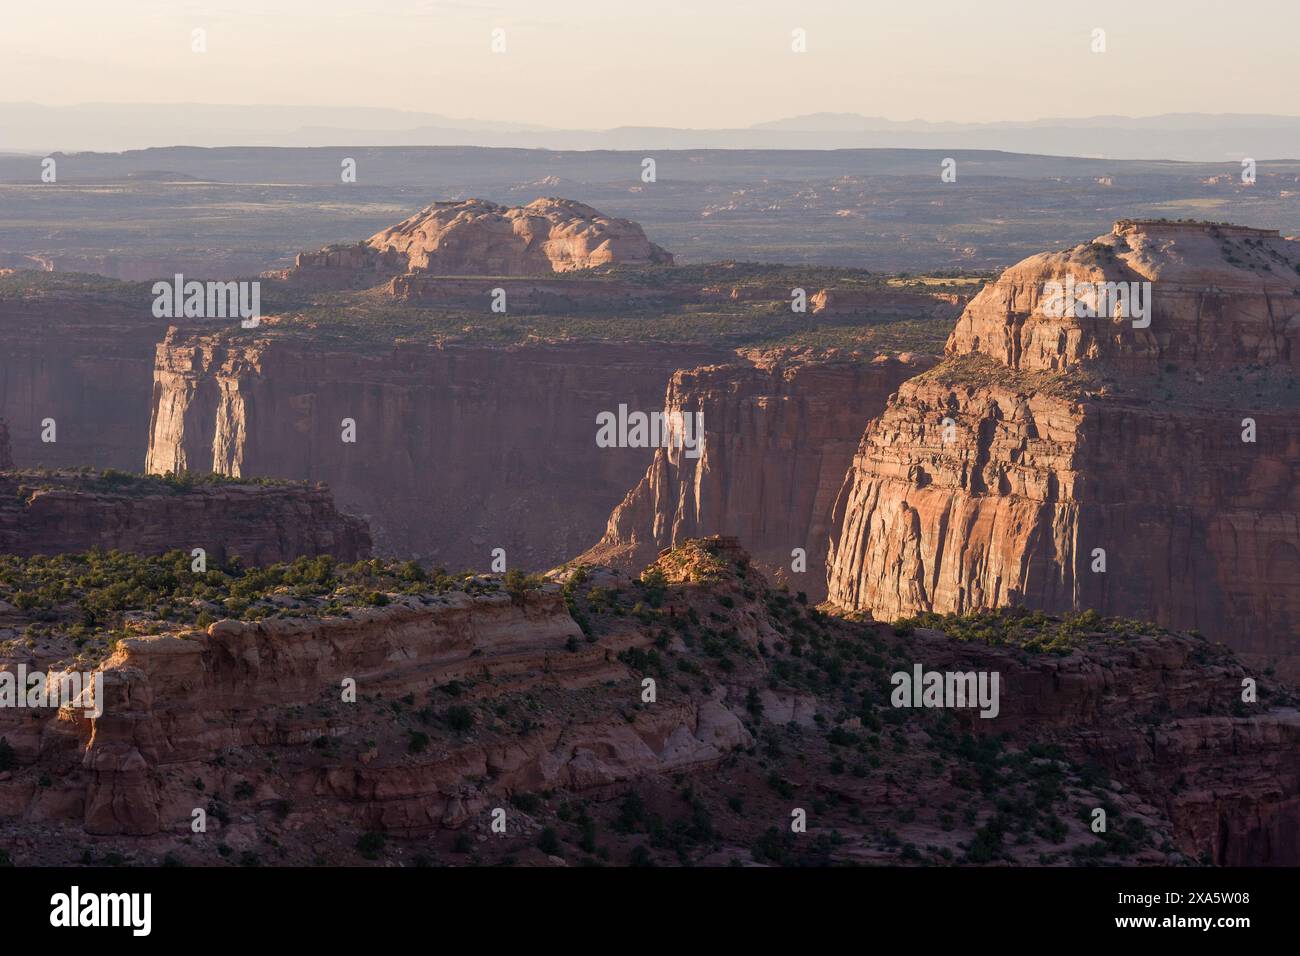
(172, 705)
(938, 305)
(1223, 296)
(476, 237)
(1066, 435)
(1150, 709)
(255, 713)
(83, 359)
(459, 449)
(56, 513)
(780, 431)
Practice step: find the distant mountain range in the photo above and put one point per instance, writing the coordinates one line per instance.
(112, 127)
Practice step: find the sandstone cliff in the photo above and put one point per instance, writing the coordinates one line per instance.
(780, 431)
(1163, 715)
(56, 513)
(1223, 297)
(483, 700)
(175, 703)
(459, 450)
(171, 702)
(82, 358)
(475, 237)
(832, 301)
(1044, 440)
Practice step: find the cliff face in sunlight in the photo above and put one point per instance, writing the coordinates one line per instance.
(1046, 439)
(475, 237)
(780, 431)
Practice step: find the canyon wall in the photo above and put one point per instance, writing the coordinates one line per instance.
(459, 449)
(1079, 462)
(172, 705)
(57, 513)
(425, 714)
(86, 362)
(780, 431)
(1152, 710)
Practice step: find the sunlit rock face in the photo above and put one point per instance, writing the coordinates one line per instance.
(1143, 466)
(475, 237)
(780, 431)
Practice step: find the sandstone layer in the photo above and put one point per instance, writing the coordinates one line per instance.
(459, 450)
(475, 237)
(1069, 462)
(82, 360)
(1160, 715)
(174, 704)
(530, 705)
(1222, 297)
(57, 513)
(780, 431)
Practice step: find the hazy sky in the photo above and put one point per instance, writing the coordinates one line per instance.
(702, 63)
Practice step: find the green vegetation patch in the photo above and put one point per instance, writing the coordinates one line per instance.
(1030, 630)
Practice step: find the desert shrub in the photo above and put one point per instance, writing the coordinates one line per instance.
(549, 841)
(370, 845)
(459, 718)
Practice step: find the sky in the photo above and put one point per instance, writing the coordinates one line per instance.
(685, 63)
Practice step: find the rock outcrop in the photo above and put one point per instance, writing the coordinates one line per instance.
(261, 523)
(847, 300)
(1070, 461)
(174, 704)
(780, 431)
(831, 302)
(1222, 297)
(475, 237)
(324, 728)
(459, 449)
(1153, 711)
